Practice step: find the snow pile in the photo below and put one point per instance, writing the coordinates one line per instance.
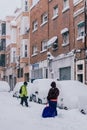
(4, 86)
(13, 116)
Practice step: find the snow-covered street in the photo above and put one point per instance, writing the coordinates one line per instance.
(15, 117)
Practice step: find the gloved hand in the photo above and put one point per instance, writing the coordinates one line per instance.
(26, 96)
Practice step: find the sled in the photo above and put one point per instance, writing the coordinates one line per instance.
(49, 112)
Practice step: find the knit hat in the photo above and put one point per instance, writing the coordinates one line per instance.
(53, 84)
(25, 83)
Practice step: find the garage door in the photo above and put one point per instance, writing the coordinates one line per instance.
(65, 73)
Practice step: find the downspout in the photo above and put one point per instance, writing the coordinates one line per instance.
(85, 47)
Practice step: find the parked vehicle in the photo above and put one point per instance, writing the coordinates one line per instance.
(73, 94)
(4, 86)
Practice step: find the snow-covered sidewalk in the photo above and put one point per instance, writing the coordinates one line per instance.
(15, 117)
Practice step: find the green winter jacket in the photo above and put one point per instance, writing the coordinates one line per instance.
(24, 91)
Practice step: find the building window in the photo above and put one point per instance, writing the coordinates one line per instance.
(7, 59)
(34, 50)
(80, 67)
(2, 60)
(20, 72)
(37, 74)
(65, 4)
(13, 55)
(81, 29)
(2, 44)
(35, 25)
(55, 11)
(26, 5)
(44, 45)
(3, 28)
(65, 38)
(44, 18)
(25, 50)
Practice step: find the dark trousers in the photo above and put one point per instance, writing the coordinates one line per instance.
(24, 100)
(53, 104)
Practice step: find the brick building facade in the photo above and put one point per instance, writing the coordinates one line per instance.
(48, 39)
(56, 35)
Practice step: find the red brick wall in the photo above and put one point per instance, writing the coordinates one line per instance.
(42, 32)
(54, 27)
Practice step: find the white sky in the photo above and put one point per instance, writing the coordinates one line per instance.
(7, 7)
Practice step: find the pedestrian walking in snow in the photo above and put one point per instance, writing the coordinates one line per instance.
(24, 94)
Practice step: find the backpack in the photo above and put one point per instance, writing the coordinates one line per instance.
(20, 90)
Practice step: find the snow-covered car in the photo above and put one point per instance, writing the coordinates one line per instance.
(40, 90)
(17, 88)
(4, 86)
(73, 94)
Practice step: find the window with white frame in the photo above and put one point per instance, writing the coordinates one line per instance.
(24, 26)
(24, 48)
(35, 25)
(44, 45)
(13, 55)
(81, 29)
(7, 59)
(65, 4)
(55, 11)
(65, 38)
(34, 50)
(44, 18)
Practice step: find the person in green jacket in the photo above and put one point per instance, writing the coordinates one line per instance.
(24, 94)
